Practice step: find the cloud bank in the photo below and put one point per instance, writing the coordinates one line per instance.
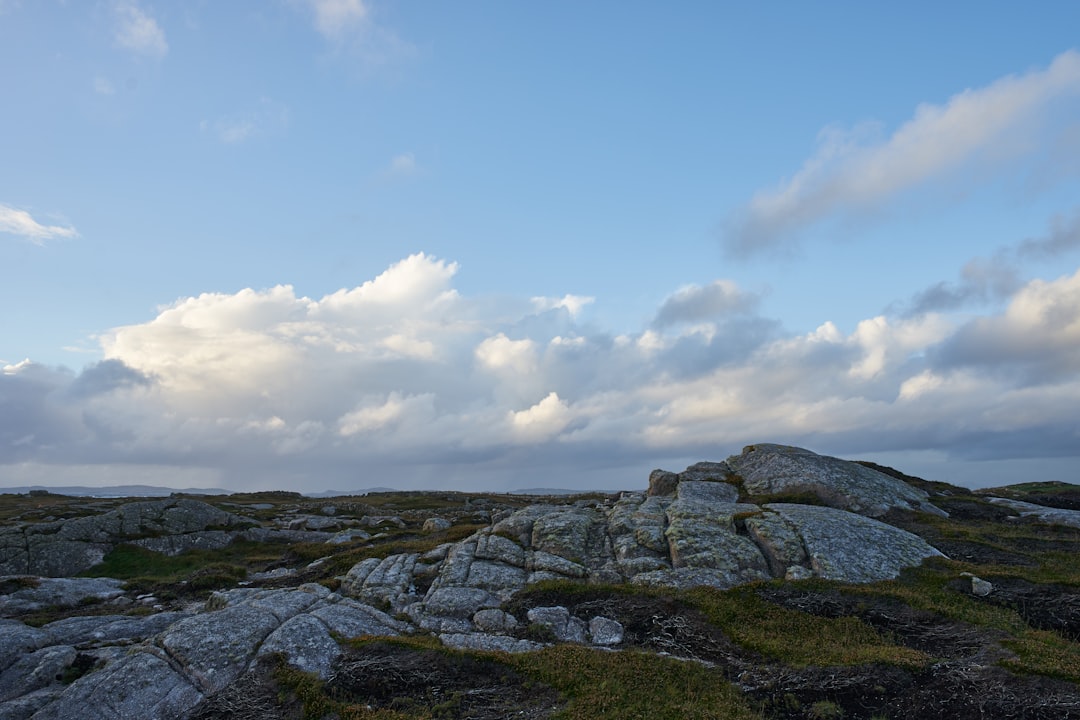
(854, 173)
(403, 381)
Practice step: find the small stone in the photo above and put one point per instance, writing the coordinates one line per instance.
(605, 631)
(436, 524)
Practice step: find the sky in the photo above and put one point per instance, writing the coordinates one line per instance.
(339, 244)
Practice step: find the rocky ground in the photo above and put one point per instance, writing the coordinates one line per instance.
(776, 584)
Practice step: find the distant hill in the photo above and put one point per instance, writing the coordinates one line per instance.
(113, 491)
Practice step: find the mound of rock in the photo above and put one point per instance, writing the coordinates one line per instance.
(693, 528)
(68, 547)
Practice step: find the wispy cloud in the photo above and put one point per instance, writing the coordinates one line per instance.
(139, 32)
(854, 172)
(22, 224)
(403, 164)
(102, 86)
(352, 31)
(998, 277)
(266, 118)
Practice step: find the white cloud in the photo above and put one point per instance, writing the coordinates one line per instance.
(403, 377)
(403, 164)
(573, 304)
(334, 18)
(265, 118)
(19, 222)
(102, 86)
(851, 173)
(694, 303)
(138, 32)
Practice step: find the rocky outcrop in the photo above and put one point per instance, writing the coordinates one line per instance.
(1059, 516)
(68, 547)
(690, 529)
(769, 469)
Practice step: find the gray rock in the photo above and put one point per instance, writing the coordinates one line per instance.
(460, 602)
(24, 706)
(852, 548)
(350, 619)
(495, 621)
(140, 685)
(214, 648)
(564, 626)
(306, 644)
(176, 544)
(436, 524)
(770, 469)
(483, 641)
(706, 491)
(1058, 516)
(778, 540)
(500, 549)
(979, 587)
(662, 482)
(605, 631)
(498, 578)
(389, 582)
(98, 629)
(703, 536)
(714, 472)
(58, 592)
(35, 671)
(17, 639)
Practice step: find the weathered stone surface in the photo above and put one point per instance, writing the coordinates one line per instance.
(58, 592)
(564, 626)
(501, 549)
(17, 639)
(662, 482)
(543, 561)
(24, 706)
(140, 685)
(778, 540)
(35, 671)
(387, 582)
(96, 629)
(770, 469)
(459, 602)
(67, 547)
(706, 492)
(715, 472)
(605, 631)
(350, 619)
(483, 641)
(703, 535)
(436, 524)
(1059, 516)
(502, 580)
(852, 548)
(176, 544)
(306, 644)
(493, 620)
(214, 648)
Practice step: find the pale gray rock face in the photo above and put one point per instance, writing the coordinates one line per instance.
(214, 648)
(67, 547)
(350, 619)
(564, 626)
(767, 469)
(702, 536)
(25, 706)
(605, 631)
(58, 592)
(495, 621)
(140, 685)
(706, 492)
(436, 524)
(385, 582)
(306, 644)
(852, 548)
(96, 629)
(176, 544)
(17, 639)
(35, 671)
(1045, 514)
(483, 641)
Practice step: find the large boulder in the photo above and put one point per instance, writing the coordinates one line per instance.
(768, 469)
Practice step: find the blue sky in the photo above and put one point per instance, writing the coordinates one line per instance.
(316, 244)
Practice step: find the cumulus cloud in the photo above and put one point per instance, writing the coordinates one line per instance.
(20, 223)
(854, 172)
(696, 304)
(573, 304)
(351, 30)
(403, 381)
(139, 32)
